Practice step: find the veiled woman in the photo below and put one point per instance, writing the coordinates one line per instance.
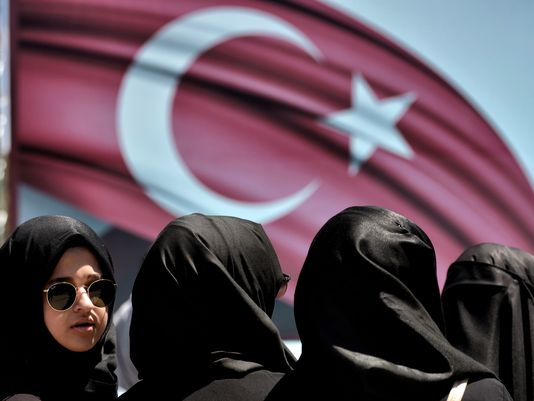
(488, 302)
(368, 312)
(202, 303)
(57, 294)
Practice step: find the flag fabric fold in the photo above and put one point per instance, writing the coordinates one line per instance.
(252, 115)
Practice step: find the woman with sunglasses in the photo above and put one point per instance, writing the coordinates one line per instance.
(202, 303)
(57, 295)
(368, 312)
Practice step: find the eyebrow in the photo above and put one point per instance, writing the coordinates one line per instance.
(68, 279)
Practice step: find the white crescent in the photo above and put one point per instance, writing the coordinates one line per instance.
(145, 103)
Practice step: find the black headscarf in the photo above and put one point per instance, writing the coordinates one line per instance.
(488, 300)
(32, 361)
(368, 312)
(202, 304)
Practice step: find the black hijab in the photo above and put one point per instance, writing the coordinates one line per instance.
(32, 361)
(368, 312)
(488, 300)
(202, 304)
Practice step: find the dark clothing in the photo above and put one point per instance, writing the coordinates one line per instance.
(202, 303)
(485, 389)
(253, 385)
(488, 302)
(22, 397)
(296, 387)
(32, 361)
(368, 312)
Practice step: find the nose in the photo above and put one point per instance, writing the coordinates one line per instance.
(82, 299)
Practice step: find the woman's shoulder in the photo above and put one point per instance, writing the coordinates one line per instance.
(249, 387)
(253, 386)
(488, 389)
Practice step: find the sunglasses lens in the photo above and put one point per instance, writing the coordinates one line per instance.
(61, 296)
(102, 292)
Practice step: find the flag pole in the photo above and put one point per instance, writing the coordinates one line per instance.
(5, 117)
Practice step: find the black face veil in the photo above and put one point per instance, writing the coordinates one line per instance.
(368, 311)
(488, 300)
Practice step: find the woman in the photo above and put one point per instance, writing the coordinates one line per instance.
(488, 302)
(368, 312)
(57, 296)
(202, 303)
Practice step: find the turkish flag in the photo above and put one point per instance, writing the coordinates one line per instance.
(284, 112)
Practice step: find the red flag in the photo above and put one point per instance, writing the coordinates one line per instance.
(282, 112)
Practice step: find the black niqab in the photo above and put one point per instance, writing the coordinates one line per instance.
(368, 312)
(488, 301)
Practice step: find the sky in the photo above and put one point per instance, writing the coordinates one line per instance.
(483, 48)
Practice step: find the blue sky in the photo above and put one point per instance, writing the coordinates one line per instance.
(484, 48)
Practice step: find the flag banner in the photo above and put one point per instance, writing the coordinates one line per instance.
(283, 112)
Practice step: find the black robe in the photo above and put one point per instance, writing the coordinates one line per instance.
(488, 302)
(32, 361)
(368, 312)
(202, 303)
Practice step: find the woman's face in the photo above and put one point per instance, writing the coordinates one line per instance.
(80, 327)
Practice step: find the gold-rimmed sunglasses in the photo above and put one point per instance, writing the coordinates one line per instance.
(61, 296)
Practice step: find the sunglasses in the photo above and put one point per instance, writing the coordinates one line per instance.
(61, 296)
(285, 279)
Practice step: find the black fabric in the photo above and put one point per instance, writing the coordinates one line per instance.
(485, 389)
(254, 385)
(32, 361)
(368, 312)
(201, 309)
(488, 301)
(22, 397)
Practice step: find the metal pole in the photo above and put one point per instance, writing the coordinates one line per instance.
(5, 116)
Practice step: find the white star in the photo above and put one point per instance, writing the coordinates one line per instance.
(371, 123)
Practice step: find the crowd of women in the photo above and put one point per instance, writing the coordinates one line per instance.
(368, 309)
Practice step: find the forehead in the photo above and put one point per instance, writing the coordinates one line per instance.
(77, 261)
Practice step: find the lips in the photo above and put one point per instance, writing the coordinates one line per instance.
(84, 326)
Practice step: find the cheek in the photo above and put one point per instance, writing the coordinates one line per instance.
(50, 316)
(55, 323)
(103, 317)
